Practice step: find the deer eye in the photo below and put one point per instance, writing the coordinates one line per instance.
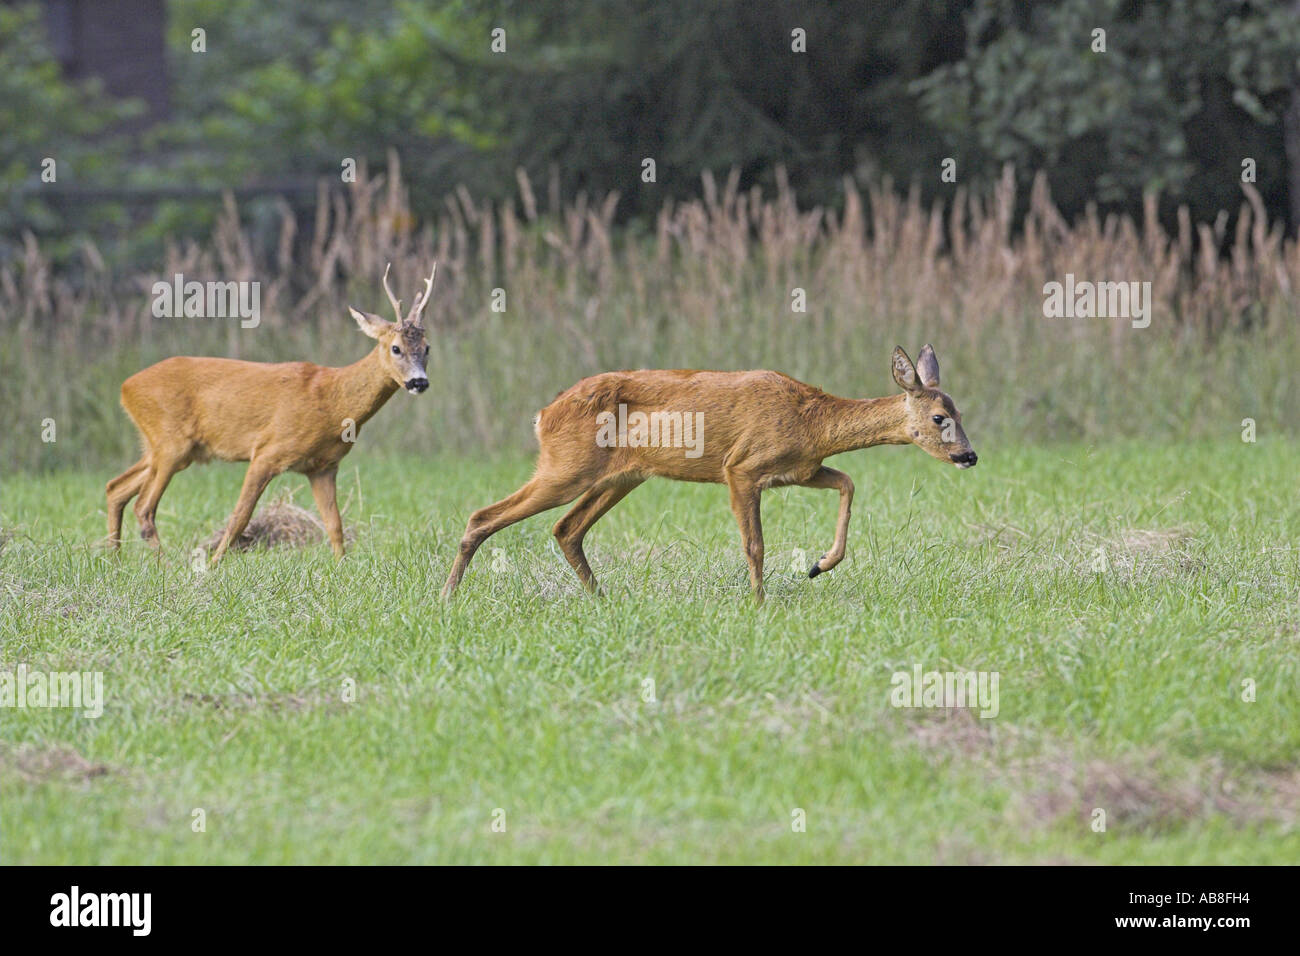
(937, 419)
(396, 350)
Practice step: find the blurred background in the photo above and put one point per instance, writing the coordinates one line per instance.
(829, 179)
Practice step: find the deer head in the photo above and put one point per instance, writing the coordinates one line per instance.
(402, 347)
(932, 421)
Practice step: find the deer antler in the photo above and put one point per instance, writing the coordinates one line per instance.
(396, 302)
(422, 300)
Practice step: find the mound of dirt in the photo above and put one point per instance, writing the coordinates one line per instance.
(33, 764)
(276, 524)
(1143, 541)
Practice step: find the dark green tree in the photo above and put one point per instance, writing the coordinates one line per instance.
(1184, 91)
(43, 116)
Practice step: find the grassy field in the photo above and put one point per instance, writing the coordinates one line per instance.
(1122, 594)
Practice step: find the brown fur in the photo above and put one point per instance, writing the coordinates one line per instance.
(288, 416)
(762, 430)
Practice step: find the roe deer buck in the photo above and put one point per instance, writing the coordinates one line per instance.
(765, 430)
(289, 416)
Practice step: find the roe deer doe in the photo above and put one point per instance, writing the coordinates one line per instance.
(289, 416)
(764, 430)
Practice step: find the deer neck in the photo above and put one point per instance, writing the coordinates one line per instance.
(363, 387)
(849, 424)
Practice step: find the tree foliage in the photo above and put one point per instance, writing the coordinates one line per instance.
(1182, 93)
(1185, 90)
(45, 117)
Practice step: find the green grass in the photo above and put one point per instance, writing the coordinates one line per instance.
(1120, 689)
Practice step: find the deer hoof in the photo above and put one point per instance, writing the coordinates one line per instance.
(816, 569)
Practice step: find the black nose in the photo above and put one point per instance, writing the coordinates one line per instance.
(419, 384)
(966, 458)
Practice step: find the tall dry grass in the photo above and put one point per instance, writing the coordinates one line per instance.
(711, 284)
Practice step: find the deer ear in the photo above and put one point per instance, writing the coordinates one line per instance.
(927, 367)
(370, 323)
(904, 372)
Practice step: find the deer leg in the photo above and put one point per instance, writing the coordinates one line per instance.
(573, 527)
(745, 497)
(255, 482)
(830, 478)
(534, 497)
(146, 506)
(324, 489)
(119, 491)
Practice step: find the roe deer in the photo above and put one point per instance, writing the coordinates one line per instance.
(289, 416)
(764, 430)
